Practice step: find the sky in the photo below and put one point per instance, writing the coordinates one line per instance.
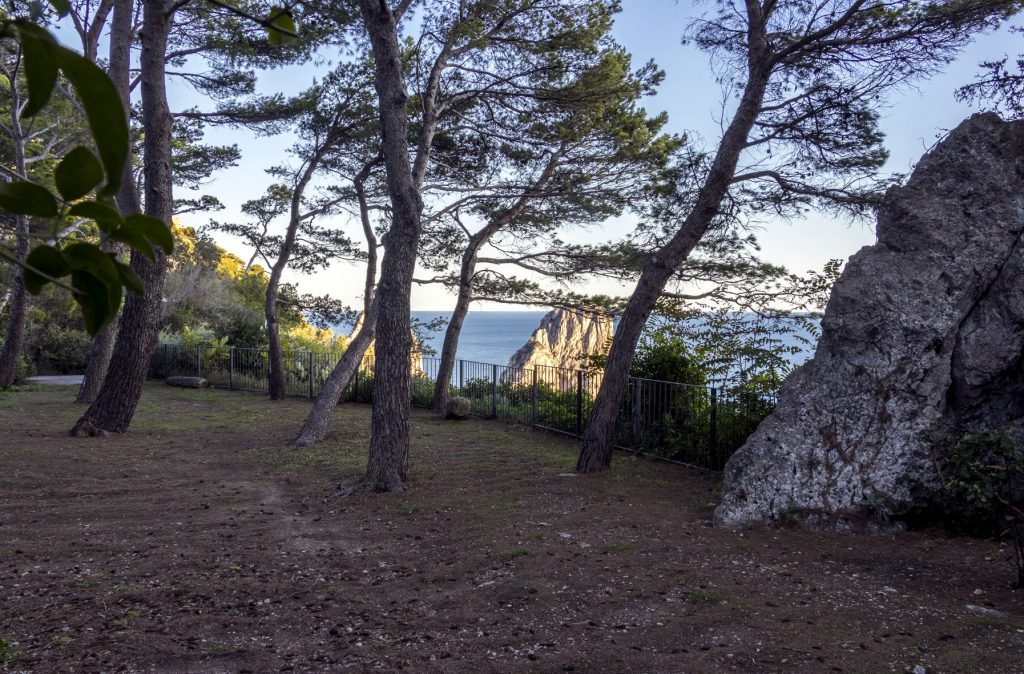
(651, 30)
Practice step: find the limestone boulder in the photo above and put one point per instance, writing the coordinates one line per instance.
(457, 408)
(924, 330)
(564, 339)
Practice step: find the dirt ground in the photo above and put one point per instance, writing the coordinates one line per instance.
(200, 542)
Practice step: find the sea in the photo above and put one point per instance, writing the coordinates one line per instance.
(489, 336)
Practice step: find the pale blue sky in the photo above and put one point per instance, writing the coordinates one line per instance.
(650, 29)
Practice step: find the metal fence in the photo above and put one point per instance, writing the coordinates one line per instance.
(695, 425)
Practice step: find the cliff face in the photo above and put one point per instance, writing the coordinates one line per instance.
(564, 339)
(924, 329)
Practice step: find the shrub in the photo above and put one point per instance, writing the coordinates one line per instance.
(59, 350)
(422, 388)
(361, 389)
(981, 489)
(476, 387)
(25, 369)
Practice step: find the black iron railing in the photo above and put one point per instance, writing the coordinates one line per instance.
(696, 425)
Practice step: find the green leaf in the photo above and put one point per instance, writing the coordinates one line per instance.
(38, 48)
(280, 26)
(25, 198)
(90, 258)
(98, 300)
(130, 279)
(135, 239)
(49, 261)
(103, 109)
(62, 7)
(107, 217)
(77, 173)
(153, 229)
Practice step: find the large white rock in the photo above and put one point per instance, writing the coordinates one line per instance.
(565, 338)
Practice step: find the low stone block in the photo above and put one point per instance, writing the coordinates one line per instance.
(187, 382)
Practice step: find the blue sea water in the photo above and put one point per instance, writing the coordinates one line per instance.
(493, 336)
(487, 336)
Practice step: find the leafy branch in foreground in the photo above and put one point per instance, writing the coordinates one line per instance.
(97, 278)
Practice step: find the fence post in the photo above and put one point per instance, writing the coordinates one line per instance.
(533, 402)
(309, 371)
(199, 360)
(637, 393)
(231, 368)
(461, 376)
(355, 387)
(494, 391)
(713, 443)
(579, 403)
(167, 368)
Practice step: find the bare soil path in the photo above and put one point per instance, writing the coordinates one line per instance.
(57, 380)
(200, 542)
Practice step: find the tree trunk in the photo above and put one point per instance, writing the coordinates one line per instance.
(370, 282)
(449, 349)
(315, 427)
(388, 462)
(127, 196)
(115, 405)
(596, 445)
(467, 271)
(100, 353)
(276, 375)
(14, 337)
(91, 32)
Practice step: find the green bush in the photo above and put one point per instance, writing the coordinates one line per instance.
(422, 388)
(26, 368)
(557, 408)
(361, 389)
(477, 387)
(666, 357)
(981, 488)
(54, 348)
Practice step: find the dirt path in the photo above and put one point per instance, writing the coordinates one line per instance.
(199, 542)
(57, 380)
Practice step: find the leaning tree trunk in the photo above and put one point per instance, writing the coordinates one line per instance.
(137, 335)
(467, 271)
(445, 368)
(127, 195)
(276, 379)
(315, 427)
(100, 353)
(275, 375)
(596, 446)
(388, 461)
(450, 348)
